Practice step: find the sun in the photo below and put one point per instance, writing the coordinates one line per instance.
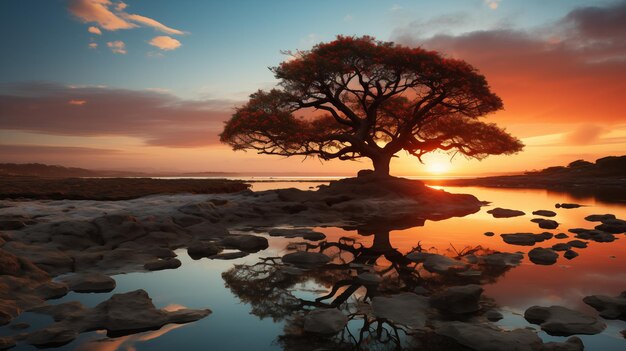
(438, 167)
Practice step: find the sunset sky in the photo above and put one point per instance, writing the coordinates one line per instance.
(146, 84)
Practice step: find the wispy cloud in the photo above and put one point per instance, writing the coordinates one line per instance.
(146, 21)
(165, 43)
(117, 47)
(94, 30)
(93, 45)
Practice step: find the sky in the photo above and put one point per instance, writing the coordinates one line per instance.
(147, 84)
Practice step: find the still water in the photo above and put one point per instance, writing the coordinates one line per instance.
(243, 320)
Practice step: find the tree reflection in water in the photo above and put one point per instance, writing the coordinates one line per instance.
(271, 288)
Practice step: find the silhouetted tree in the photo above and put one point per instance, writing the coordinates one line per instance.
(376, 98)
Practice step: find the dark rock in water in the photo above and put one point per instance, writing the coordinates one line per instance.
(199, 249)
(614, 226)
(436, 263)
(571, 344)
(502, 259)
(561, 321)
(306, 259)
(592, 234)
(489, 233)
(570, 254)
(19, 326)
(561, 236)
(567, 205)
(545, 213)
(406, 309)
(599, 217)
(624, 333)
(542, 256)
(158, 265)
(6, 342)
(52, 336)
(367, 278)
(458, 299)
(89, 282)
(493, 315)
(499, 212)
(295, 208)
(482, 337)
(525, 239)
(245, 242)
(229, 255)
(325, 321)
(560, 247)
(579, 244)
(609, 307)
(547, 224)
(207, 231)
(304, 233)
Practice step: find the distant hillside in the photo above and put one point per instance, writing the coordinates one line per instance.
(54, 171)
(610, 166)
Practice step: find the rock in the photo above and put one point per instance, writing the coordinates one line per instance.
(364, 172)
(367, 278)
(481, 337)
(525, 239)
(436, 263)
(493, 315)
(599, 217)
(406, 309)
(503, 259)
(561, 236)
(8, 311)
(561, 321)
(571, 344)
(547, 223)
(458, 299)
(53, 336)
(560, 247)
(579, 244)
(595, 235)
(89, 282)
(6, 342)
(184, 220)
(325, 321)
(304, 233)
(158, 265)
(116, 229)
(229, 255)
(624, 333)
(200, 249)
(294, 208)
(52, 290)
(306, 259)
(19, 326)
(489, 233)
(245, 242)
(499, 212)
(613, 226)
(567, 205)
(570, 254)
(545, 213)
(542, 256)
(207, 231)
(609, 307)
(207, 210)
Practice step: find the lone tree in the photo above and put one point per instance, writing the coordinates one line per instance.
(362, 98)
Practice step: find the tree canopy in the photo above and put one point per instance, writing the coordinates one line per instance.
(356, 97)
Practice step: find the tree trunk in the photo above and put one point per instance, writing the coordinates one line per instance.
(381, 164)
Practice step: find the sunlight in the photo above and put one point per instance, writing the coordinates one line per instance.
(438, 167)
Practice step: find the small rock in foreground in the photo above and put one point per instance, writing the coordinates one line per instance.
(609, 307)
(542, 256)
(562, 321)
(499, 212)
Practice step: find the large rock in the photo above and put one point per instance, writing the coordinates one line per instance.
(116, 229)
(499, 212)
(304, 233)
(525, 239)
(544, 213)
(458, 299)
(200, 249)
(406, 309)
(436, 263)
(609, 307)
(159, 265)
(614, 226)
(571, 344)
(542, 256)
(593, 234)
(245, 242)
(481, 337)
(562, 321)
(207, 231)
(325, 321)
(306, 259)
(599, 217)
(89, 282)
(546, 223)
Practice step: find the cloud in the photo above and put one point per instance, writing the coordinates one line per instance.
(93, 45)
(572, 71)
(97, 11)
(585, 135)
(152, 23)
(94, 30)
(159, 118)
(165, 43)
(117, 47)
(493, 4)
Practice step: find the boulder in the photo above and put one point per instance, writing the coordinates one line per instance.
(614, 226)
(579, 244)
(525, 239)
(89, 282)
(306, 259)
(608, 306)
(482, 337)
(304, 233)
(570, 254)
(547, 223)
(436, 263)
(199, 249)
(499, 212)
(458, 299)
(542, 256)
(159, 265)
(544, 213)
(562, 321)
(561, 236)
(207, 231)
(229, 255)
(599, 217)
(561, 247)
(595, 235)
(325, 321)
(116, 229)
(406, 309)
(493, 315)
(245, 242)
(571, 344)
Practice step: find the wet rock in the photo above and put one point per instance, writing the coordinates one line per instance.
(20, 326)
(570, 254)
(306, 259)
(525, 239)
(207, 210)
(51, 290)
(547, 223)
(89, 282)
(614, 226)
(624, 333)
(407, 309)
(207, 231)
(436, 263)
(53, 336)
(304, 233)
(609, 307)
(482, 337)
(245, 242)
(595, 235)
(199, 249)
(8, 311)
(60, 311)
(562, 321)
(542, 256)
(229, 255)
(326, 321)
(503, 259)
(544, 213)
(184, 220)
(458, 299)
(579, 244)
(499, 212)
(567, 205)
(489, 233)
(367, 278)
(158, 265)
(116, 229)
(599, 217)
(561, 236)
(561, 247)
(6, 342)
(571, 344)
(493, 315)
(294, 208)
